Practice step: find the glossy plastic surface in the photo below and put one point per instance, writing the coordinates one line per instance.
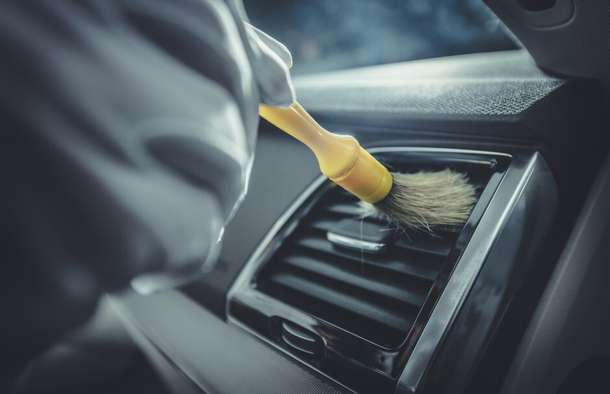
(348, 357)
(493, 266)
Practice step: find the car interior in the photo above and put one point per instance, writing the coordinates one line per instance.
(310, 296)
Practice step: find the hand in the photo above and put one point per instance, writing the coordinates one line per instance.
(130, 127)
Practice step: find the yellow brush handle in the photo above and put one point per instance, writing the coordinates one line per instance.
(341, 158)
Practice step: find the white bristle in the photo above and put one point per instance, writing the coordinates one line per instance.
(427, 199)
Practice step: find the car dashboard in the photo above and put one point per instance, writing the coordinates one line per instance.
(311, 295)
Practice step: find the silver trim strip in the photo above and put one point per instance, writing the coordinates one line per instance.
(353, 243)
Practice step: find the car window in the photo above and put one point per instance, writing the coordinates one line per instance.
(337, 34)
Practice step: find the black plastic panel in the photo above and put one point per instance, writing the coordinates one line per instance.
(366, 345)
(566, 347)
(565, 37)
(494, 265)
(195, 352)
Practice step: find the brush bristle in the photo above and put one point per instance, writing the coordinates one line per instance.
(427, 199)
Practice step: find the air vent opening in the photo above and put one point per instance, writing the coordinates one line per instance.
(366, 304)
(376, 296)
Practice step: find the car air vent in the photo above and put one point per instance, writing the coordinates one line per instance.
(375, 294)
(350, 294)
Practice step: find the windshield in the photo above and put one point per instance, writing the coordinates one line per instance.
(336, 34)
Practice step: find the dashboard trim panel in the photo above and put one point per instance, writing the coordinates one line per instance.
(426, 339)
(465, 273)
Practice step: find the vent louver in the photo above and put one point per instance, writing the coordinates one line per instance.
(351, 296)
(376, 296)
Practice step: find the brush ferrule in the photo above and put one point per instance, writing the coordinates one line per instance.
(367, 178)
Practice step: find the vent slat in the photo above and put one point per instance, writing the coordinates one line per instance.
(365, 309)
(419, 269)
(377, 295)
(348, 209)
(323, 224)
(430, 244)
(413, 294)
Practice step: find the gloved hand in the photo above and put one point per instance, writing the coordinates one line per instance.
(128, 129)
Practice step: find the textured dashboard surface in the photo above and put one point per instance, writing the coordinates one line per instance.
(490, 84)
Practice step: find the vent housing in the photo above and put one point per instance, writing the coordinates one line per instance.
(376, 296)
(366, 305)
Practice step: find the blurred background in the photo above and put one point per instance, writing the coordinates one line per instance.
(328, 35)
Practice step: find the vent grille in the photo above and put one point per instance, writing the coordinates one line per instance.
(375, 296)
(350, 296)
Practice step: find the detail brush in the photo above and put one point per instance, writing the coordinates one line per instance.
(421, 200)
